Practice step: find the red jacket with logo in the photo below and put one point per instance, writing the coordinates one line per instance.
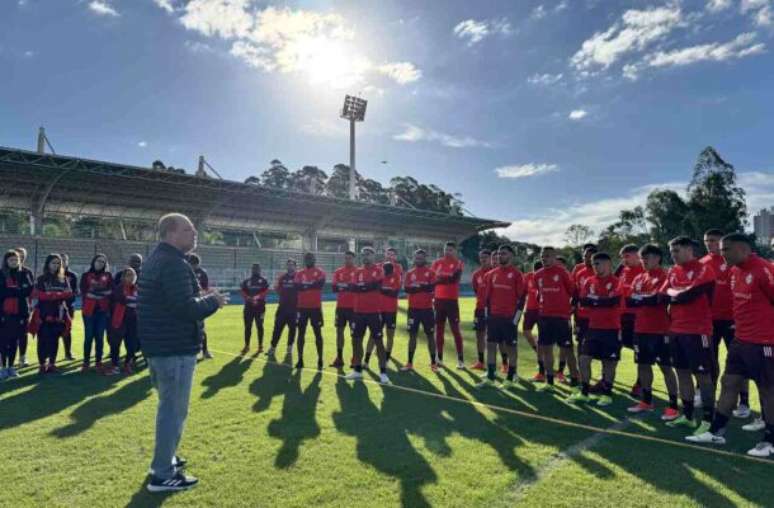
(342, 279)
(367, 288)
(389, 292)
(532, 292)
(752, 289)
(96, 290)
(310, 282)
(479, 286)
(580, 273)
(447, 278)
(722, 299)
(419, 285)
(650, 310)
(555, 289)
(602, 298)
(505, 291)
(626, 278)
(690, 312)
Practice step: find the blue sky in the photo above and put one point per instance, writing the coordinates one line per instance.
(545, 113)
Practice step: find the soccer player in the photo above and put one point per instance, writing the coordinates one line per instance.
(722, 312)
(580, 273)
(309, 283)
(531, 316)
(254, 290)
(27, 275)
(287, 309)
(420, 282)
(204, 283)
(343, 278)
(448, 271)
(479, 315)
(688, 287)
(96, 288)
(505, 294)
(367, 289)
(123, 321)
(651, 325)
(52, 291)
(751, 355)
(390, 290)
(15, 291)
(631, 267)
(601, 296)
(72, 278)
(555, 289)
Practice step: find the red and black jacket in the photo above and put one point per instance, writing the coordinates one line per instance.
(52, 294)
(96, 289)
(124, 305)
(15, 289)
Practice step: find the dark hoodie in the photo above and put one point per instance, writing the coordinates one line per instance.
(15, 288)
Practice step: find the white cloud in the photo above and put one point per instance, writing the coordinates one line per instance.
(29, 53)
(718, 5)
(321, 46)
(636, 30)
(761, 11)
(539, 12)
(477, 30)
(525, 170)
(549, 227)
(545, 79)
(578, 114)
(198, 47)
(400, 72)
(166, 5)
(413, 134)
(742, 46)
(561, 6)
(142, 144)
(102, 8)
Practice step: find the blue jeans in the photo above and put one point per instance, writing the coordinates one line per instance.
(172, 377)
(94, 326)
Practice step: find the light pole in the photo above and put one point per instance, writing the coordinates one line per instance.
(354, 110)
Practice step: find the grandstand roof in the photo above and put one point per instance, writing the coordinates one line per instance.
(56, 184)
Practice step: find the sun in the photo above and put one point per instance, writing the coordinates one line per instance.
(331, 62)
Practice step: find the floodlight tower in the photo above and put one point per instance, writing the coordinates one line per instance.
(354, 110)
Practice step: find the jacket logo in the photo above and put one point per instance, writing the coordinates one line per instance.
(749, 278)
(689, 275)
(556, 278)
(609, 286)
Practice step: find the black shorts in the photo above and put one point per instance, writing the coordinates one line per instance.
(753, 361)
(501, 330)
(581, 329)
(602, 344)
(425, 317)
(311, 316)
(446, 309)
(285, 317)
(371, 322)
(554, 330)
(345, 317)
(652, 348)
(694, 352)
(479, 320)
(531, 318)
(722, 330)
(389, 319)
(627, 330)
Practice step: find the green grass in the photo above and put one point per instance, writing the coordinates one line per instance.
(259, 434)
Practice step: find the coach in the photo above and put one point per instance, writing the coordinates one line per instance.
(170, 311)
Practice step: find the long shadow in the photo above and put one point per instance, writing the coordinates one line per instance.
(273, 382)
(87, 414)
(298, 421)
(144, 499)
(231, 374)
(385, 446)
(50, 395)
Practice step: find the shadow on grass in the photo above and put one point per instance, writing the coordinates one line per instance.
(144, 499)
(231, 374)
(273, 382)
(298, 421)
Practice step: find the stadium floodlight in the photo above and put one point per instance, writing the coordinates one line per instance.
(354, 110)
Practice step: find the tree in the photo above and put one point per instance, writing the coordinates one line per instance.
(337, 185)
(668, 215)
(372, 191)
(630, 228)
(577, 234)
(309, 179)
(277, 176)
(714, 199)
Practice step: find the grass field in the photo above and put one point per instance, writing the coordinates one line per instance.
(261, 434)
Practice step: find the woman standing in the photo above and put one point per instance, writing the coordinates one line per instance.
(96, 288)
(52, 319)
(15, 290)
(123, 322)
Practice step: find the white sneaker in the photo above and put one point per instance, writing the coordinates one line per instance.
(741, 412)
(460, 365)
(707, 437)
(11, 372)
(762, 449)
(354, 376)
(697, 403)
(23, 361)
(755, 426)
(383, 379)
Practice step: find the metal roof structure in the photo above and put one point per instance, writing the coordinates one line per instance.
(54, 184)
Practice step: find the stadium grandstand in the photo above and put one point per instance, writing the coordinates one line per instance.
(42, 186)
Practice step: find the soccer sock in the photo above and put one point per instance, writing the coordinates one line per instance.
(481, 357)
(339, 353)
(511, 373)
(541, 367)
(439, 339)
(505, 358)
(550, 379)
(688, 408)
(585, 388)
(490, 371)
(411, 356)
(744, 398)
(719, 423)
(647, 396)
(455, 328)
(260, 335)
(562, 365)
(673, 400)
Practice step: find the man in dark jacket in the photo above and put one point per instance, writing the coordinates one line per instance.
(170, 314)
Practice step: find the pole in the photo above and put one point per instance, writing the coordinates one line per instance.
(352, 173)
(41, 140)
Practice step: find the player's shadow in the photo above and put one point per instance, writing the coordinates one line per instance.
(298, 421)
(87, 414)
(231, 374)
(383, 443)
(144, 499)
(272, 383)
